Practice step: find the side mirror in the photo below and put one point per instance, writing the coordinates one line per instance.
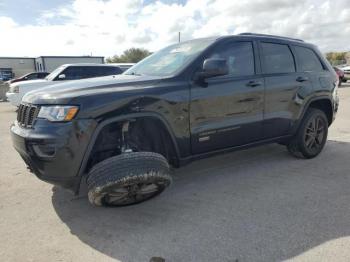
(62, 76)
(215, 67)
(211, 67)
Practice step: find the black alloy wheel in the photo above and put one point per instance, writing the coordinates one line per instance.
(315, 134)
(131, 194)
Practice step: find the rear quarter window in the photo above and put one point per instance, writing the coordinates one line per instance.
(308, 61)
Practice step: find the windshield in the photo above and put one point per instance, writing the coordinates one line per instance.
(170, 60)
(55, 73)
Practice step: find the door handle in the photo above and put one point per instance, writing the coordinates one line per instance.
(254, 83)
(302, 79)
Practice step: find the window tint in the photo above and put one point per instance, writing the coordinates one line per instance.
(307, 60)
(91, 71)
(80, 72)
(109, 70)
(73, 73)
(31, 76)
(96, 71)
(239, 58)
(88, 72)
(124, 68)
(42, 75)
(277, 58)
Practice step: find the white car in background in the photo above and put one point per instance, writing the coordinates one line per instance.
(66, 72)
(346, 70)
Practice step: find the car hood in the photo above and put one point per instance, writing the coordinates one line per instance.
(79, 91)
(33, 83)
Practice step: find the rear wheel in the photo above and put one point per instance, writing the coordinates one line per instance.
(311, 136)
(127, 179)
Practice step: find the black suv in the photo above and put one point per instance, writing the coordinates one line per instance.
(29, 76)
(188, 101)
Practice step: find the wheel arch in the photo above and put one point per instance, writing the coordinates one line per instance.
(323, 103)
(130, 117)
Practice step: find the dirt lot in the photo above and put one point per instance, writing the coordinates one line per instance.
(254, 205)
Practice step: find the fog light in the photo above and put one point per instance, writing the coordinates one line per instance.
(44, 150)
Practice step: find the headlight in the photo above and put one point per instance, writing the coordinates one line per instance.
(58, 113)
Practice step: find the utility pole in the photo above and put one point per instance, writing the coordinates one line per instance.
(179, 37)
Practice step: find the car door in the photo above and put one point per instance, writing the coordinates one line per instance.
(228, 110)
(310, 65)
(282, 83)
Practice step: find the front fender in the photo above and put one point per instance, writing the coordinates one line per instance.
(122, 118)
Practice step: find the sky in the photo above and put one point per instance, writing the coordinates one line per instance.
(108, 27)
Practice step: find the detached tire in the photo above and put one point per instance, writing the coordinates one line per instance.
(311, 136)
(128, 179)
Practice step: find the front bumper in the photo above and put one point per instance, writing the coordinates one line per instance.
(14, 98)
(54, 151)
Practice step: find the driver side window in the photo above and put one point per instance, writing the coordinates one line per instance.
(73, 73)
(239, 57)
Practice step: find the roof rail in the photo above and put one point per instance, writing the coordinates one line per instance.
(273, 36)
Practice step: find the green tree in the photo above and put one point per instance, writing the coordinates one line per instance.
(132, 55)
(336, 58)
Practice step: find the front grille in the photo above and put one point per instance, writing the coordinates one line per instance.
(26, 115)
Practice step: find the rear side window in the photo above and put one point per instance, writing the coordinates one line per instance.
(277, 58)
(307, 60)
(239, 57)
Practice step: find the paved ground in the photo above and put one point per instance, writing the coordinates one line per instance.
(254, 205)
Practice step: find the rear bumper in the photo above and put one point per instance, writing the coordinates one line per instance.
(54, 151)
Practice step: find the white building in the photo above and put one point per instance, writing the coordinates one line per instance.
(19, 66)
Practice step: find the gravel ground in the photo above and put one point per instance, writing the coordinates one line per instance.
(254, 205)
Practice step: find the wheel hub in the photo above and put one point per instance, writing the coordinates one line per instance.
(132, 193)
(314, 133)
